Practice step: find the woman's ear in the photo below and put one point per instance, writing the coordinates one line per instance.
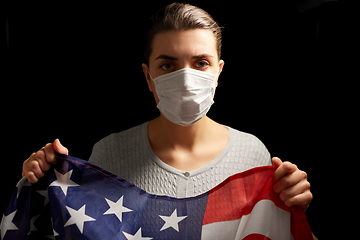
(221, 65)
(147, 76)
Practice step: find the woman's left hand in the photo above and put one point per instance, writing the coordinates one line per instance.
(292, 184)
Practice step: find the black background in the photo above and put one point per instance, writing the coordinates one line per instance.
(73, 72)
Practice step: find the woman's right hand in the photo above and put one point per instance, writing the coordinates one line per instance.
(39, 162)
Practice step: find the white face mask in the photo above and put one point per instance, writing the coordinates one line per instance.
(185, 95)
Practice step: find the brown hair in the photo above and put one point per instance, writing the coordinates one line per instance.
(179, 17)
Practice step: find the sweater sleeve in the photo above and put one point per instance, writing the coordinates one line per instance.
(99, 154)
(263, 156)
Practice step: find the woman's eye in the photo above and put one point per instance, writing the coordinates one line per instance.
(202, 64)
(166, 66)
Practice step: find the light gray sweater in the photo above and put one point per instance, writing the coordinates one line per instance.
(128, 154)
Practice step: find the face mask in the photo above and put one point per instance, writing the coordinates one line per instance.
(185, 95)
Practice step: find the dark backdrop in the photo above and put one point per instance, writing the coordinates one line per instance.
(73, 72)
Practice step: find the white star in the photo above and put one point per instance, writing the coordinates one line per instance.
(32, 226)
(52, 237)
(172, 221)
(7, 224)
(63, 181)
(117, 208)
(137, 236)
(78, 217)
(54, 232)
(22, 183)
(45, 194)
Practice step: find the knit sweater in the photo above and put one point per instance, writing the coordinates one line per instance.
(128, 154)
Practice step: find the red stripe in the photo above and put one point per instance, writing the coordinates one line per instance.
(256, 237)
(299, 224)
(238, 194)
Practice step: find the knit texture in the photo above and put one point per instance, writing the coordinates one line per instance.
(128, 154)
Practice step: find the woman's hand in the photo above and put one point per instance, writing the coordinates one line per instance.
(39, 162)
(291, 184)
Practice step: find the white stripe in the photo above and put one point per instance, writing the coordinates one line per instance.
(220, 230)
(265, 219)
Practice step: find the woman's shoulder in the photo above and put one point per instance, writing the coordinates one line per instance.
(131, 133)
(244, 137)
(126, 136)
(119, 143)
(248, 145)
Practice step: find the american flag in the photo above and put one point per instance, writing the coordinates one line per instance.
(78, 200)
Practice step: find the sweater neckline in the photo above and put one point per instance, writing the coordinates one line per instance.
(185, 174)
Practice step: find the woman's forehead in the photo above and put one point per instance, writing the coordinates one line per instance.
(182, 44)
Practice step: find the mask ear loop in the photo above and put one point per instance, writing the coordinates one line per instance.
(218, 75)
(218, 71)
(148, 69)
(150, 74)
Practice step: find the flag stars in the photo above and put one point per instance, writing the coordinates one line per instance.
(32, 226)
(22, 183)
(63, 181)
(78, 217)
(172, 221)
(137, 236)
(7, 224)
(45, 194)
(117, 208)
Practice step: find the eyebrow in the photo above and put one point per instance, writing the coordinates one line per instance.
(205, 55)
(167, 57)
(163, 56)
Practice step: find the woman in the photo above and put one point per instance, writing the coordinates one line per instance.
(182, 153)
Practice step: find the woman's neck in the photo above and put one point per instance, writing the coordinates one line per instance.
(170, 135)
(187, 148)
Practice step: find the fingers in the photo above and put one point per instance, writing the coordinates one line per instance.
(42, 160)
(284, 169)
(302, 199)
(289, 180)
(30, 168)
(298, 194)
(58, 147)
(291, 193)
(35, 166)
(50, 154)
(276, 161)
(294, 189)
(39, 162)
(291, 184)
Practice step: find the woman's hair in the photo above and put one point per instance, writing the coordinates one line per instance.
(180, 17)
